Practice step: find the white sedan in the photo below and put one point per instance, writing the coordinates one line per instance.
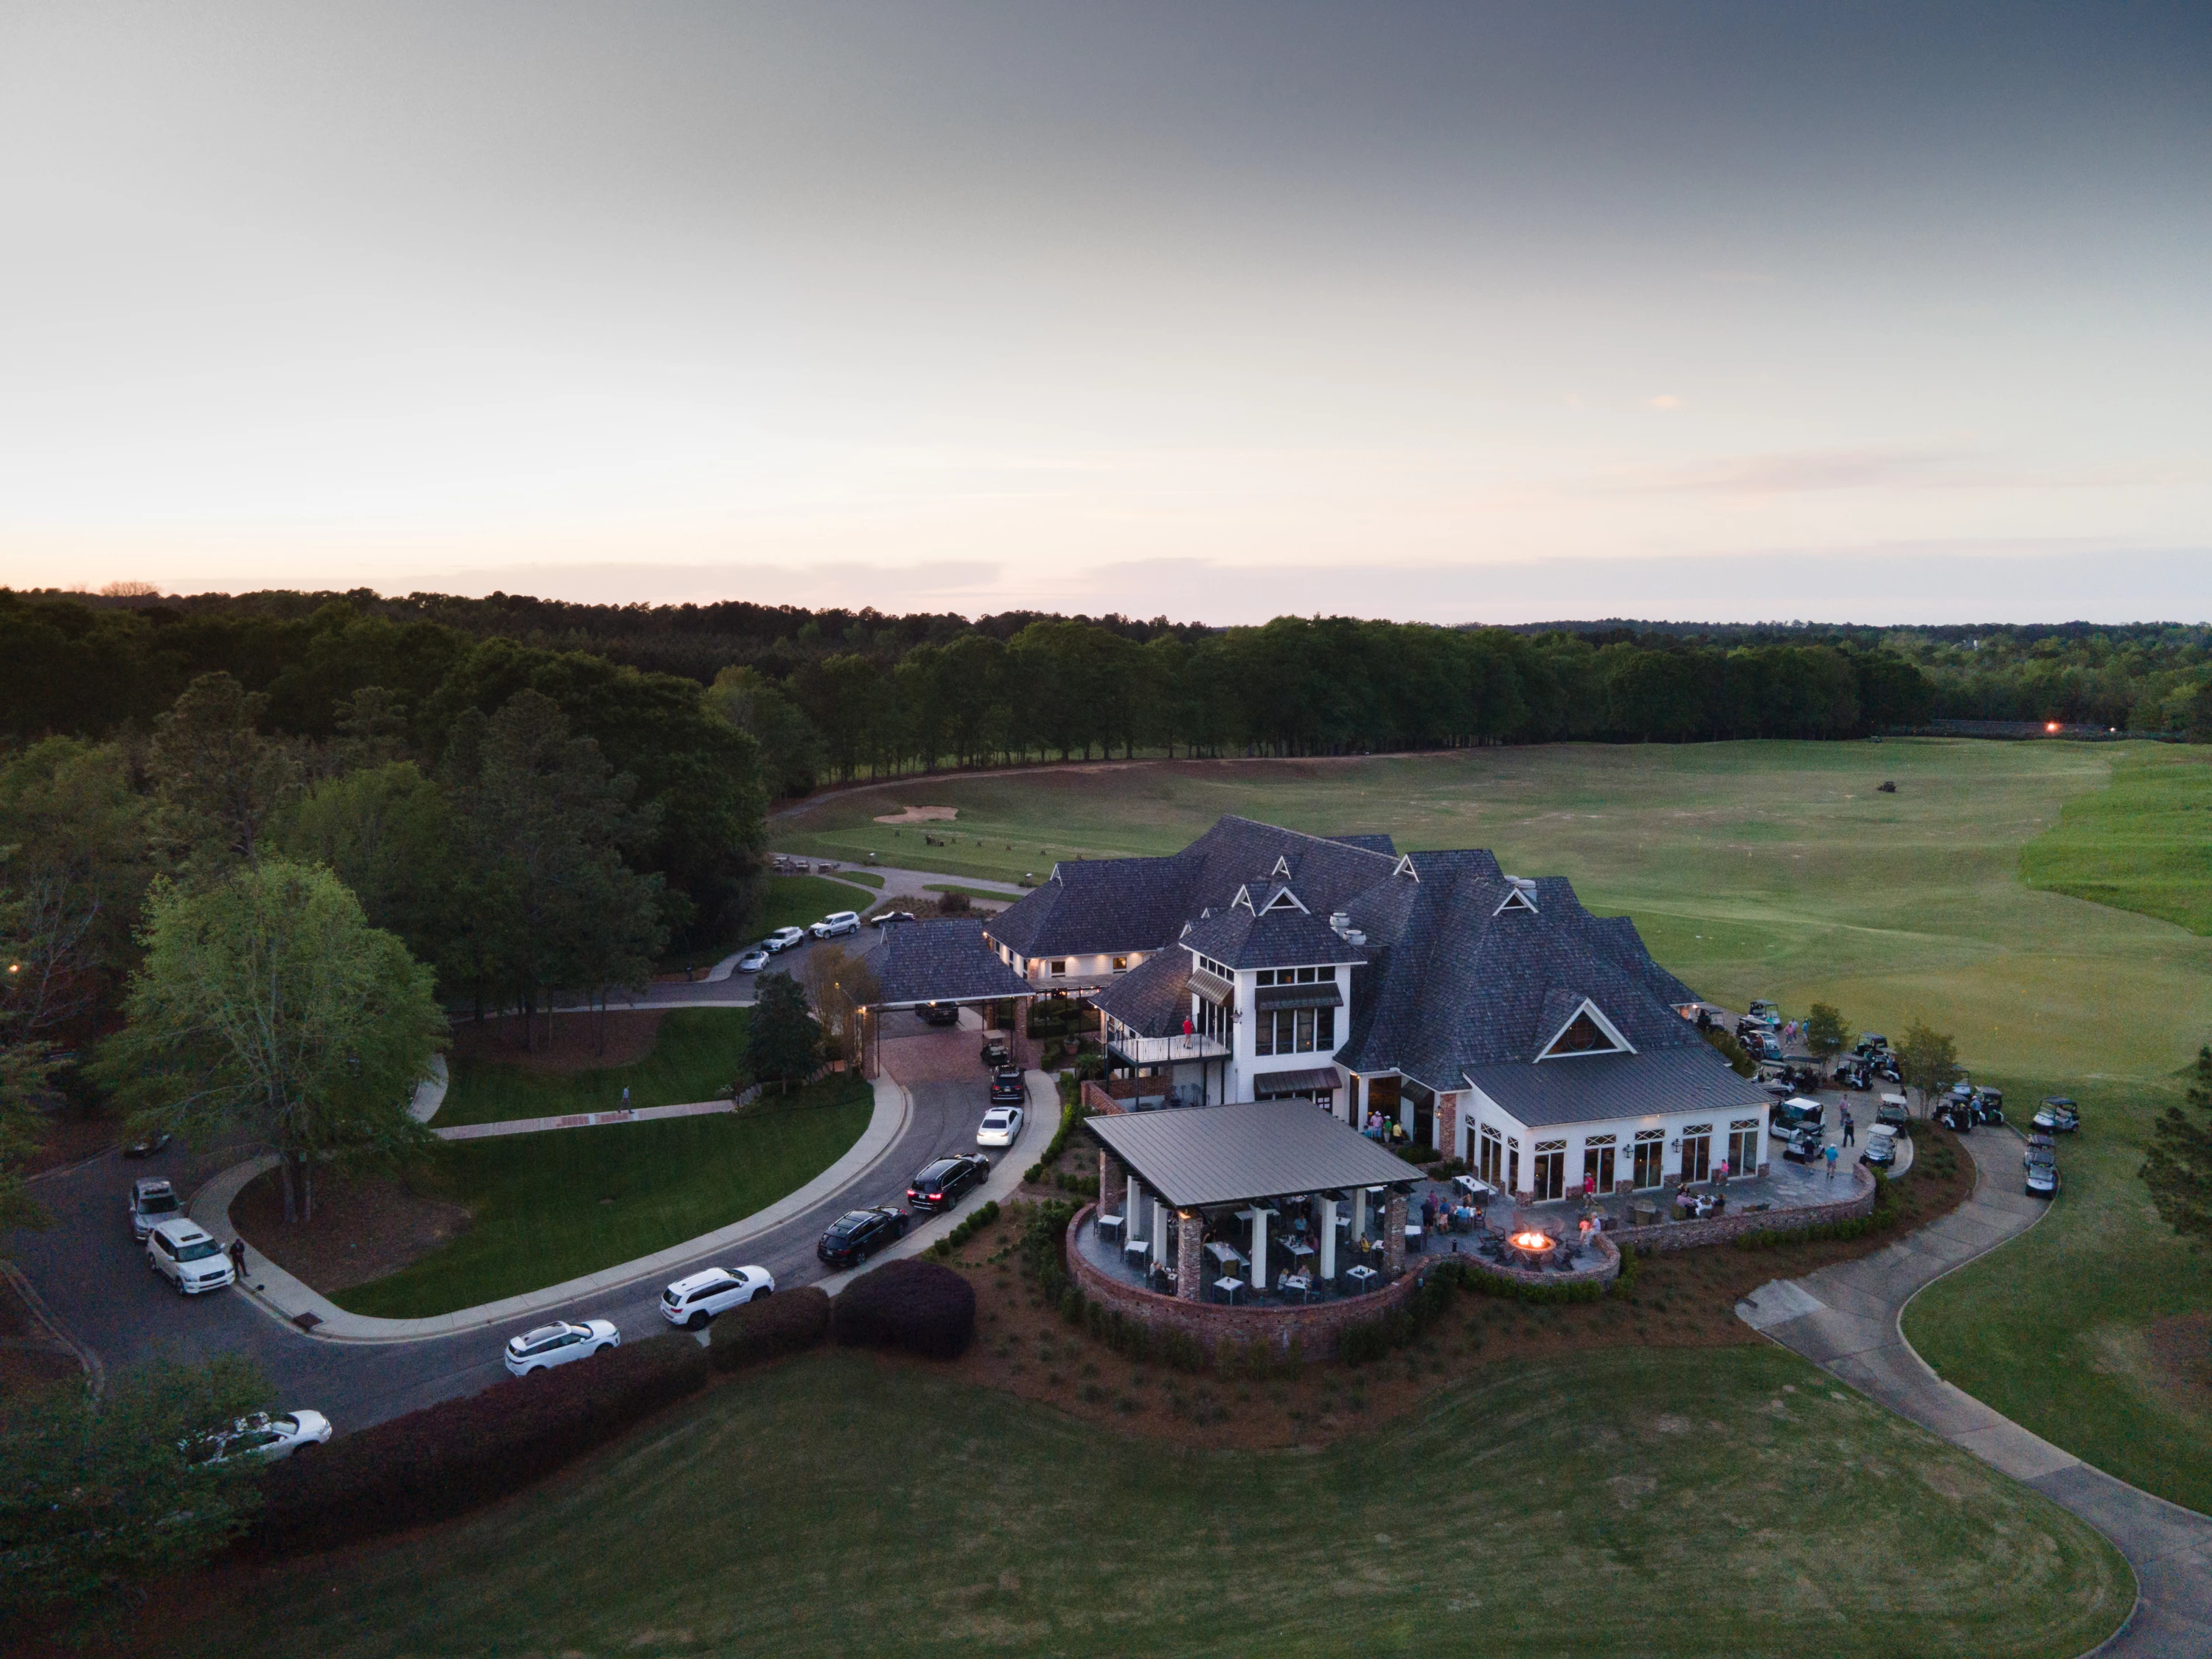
(558, 1344)
(695, 1300)
(269, 1437)
(1002, 1127)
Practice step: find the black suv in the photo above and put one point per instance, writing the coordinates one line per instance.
(939, 1013)
(940, 1185)
(1007, 1088)
(859, 1234)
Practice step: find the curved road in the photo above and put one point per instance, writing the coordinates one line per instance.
(1846, 1319)
(94, 1281)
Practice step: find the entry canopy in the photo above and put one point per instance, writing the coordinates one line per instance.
(1198, 1156)
(943, 962)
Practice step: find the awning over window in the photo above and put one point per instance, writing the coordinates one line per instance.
(1273, 1086)
(1213, 987)
(1269, 997)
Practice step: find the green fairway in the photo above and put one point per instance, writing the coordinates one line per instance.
(541, 1204)
(1775, 869)
(1658, 1503)
(2144, 843)
(697, 1054)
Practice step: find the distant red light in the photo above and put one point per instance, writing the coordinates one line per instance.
(2050, 726)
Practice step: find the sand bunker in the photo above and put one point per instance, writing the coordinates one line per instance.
(920, 815)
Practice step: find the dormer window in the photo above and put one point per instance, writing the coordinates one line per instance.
(1586, 1032)
(1284, 899)
(1520, 895)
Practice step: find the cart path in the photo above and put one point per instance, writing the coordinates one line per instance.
(1847, 1319)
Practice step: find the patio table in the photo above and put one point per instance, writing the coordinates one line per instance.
(1298, 1285)
(1360, 1277)
(1412, 1239)
(1109, 1225)
(1229, 1287)
(1135, 1247)
(1225, 1254)
(1301, 1250)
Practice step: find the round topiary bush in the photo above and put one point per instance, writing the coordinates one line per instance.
(912, 1304)
(769, 1326)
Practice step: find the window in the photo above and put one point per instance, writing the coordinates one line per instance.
(1697, 1156)
(1306, 975)
(1120, 963)
(1493, 1156)
(1305, 1030)
(1324, 1028)
(1743, 1152)
(1650, 1158)
(1263, 1034)
(1266, 976)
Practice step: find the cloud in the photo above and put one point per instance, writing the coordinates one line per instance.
(1665, 400)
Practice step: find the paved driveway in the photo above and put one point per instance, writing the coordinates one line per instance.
(94, 1281)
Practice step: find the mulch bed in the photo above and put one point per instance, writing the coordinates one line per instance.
(363, 1228)
(1683, 1299)
(578, 1043)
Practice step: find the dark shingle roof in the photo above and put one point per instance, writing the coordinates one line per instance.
(1277, 938)
(1371, 843)
(1593, 1088)
(942, 962)
(1200, 1155)
(1153, 998)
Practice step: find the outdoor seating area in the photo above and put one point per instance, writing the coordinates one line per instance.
(1289, 1266)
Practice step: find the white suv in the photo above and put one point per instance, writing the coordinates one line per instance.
(784, 938)
(695, 1300)
(187, 1255)
(837, 922)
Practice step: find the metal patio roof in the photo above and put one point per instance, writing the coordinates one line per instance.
(1205, 1155)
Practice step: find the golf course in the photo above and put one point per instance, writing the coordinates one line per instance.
(2038, 901)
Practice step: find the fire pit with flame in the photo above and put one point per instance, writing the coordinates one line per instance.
(1527, 1247)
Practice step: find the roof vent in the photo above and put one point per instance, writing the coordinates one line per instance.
(1353, 936)
(1339, 921)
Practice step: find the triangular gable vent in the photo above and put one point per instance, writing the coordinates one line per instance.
(1404, 867)
(1587, 1032)
(1282, 868)
(1243, 898)
(1285, 899)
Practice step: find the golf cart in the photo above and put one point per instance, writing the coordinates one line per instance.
(1881, 1146)
(1805, 1146)
(1988, 1108)
(1955, 1114)
(1854, 1075)
(1795, 1114)
(1765, 1012)
(2057, 1116)
(1894, 1109)
(2042, 1161)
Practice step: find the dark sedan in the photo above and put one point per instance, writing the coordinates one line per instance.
(857, 1234)
(940, 1186)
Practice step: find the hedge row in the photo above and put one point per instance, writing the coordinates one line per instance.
(911, 1304)
(973, 1223)
(448, 1458)
(1884, 1214)
(770, 1327)
(1072, 1112)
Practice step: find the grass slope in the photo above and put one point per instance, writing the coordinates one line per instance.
(2142, 844)
(695, 1055)
(801, 901)
(540, 1201)
(1654, 1503)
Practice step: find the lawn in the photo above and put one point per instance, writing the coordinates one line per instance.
(1777, 869)
(1656, 1504)
(801, 901)
(696, 1056)
(555, 1205)
(2144, 843)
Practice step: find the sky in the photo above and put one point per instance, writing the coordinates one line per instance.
(1454, 313)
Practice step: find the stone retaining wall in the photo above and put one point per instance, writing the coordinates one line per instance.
(1732, 1224)
(1608, 1269)
(1214, 1324)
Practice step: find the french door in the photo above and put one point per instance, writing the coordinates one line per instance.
(1597, 1167)
(1551, 1172)
(1697, 1158)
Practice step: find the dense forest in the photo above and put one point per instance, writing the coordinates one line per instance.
(837, 693)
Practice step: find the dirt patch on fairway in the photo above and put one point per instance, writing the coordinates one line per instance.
(920, 815)
(363, 1228)
(1684, 1299)
(2179, 1349)
(579, 1042)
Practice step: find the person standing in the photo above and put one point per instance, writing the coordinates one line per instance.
(1831, 1156)
(1851, 1128)
(238, 1259)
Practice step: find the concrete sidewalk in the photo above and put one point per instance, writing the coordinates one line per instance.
(285, 1297)
(1846, 1319)
(531, 1126)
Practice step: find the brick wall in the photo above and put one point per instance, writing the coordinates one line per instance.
(1608, 1269)
(1101, 1099)
(1215, 1324)
(1734, 1224)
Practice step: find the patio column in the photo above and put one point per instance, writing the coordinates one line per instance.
(1113, 1184)
(1136, 1210)
(1328, 1245)
(1358, 1213)
(1159, 1233)
(1258, 1216)
(1393, 1231)
(1190, 1268)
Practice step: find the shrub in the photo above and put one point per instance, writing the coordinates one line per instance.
(1413, 1152)
(449, 1458)
(916, 1305)
(969, 1225)
(787, 1322)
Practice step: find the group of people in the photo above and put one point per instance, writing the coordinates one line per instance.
(1442, 1214)
(1385, 1129)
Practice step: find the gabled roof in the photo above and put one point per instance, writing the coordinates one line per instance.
(1459, 983)
(1603, 1087)
(1272, 939)
(942, 962)
(1153, 998)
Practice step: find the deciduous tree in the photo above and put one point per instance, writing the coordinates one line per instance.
(1928, 1060)
(217, 779)
(99, 1496)
(268, 1002)
(1824, 1032)
(786, 1042)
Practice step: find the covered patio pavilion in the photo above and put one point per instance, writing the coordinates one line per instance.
(1273, 1200)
